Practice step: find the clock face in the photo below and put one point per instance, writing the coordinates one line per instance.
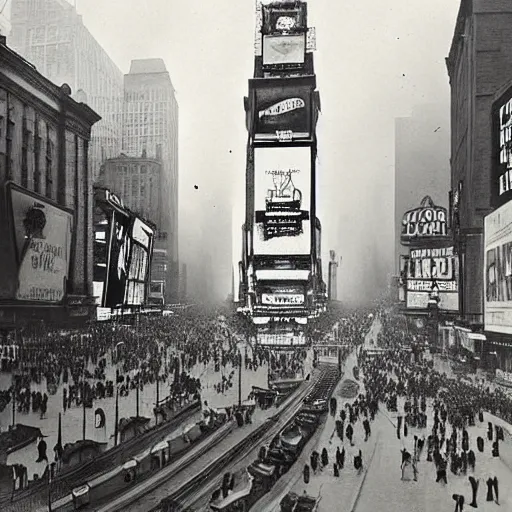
(285, 23)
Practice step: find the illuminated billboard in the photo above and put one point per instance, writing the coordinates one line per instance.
(501, 189)
(284, 50)
(119, 257)
(42, 234)
(282, 295)
(498, 270)
(431, 273)
(141, 244)
(424, 225)
(282, 201)
(283, 112)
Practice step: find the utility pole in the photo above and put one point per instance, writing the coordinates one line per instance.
(239, 377)
(116, 425)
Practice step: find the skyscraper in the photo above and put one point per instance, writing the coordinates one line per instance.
(5, 18)
(151, 121)
(51, 35)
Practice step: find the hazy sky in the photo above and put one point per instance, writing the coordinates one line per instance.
(374, 61)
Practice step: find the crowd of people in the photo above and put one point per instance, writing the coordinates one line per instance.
(456, 406)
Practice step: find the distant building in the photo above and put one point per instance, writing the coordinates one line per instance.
(422, 165)
(51, 35)
(46, 241)
(151, 121)
(479, 65)
(5, 17)
(138, 181)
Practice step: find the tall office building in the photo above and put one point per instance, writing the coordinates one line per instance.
(150, 121)
(422, 162)
(138, 182)
(51, 35)
(5, 17)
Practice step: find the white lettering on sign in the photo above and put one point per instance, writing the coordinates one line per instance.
(424, 223)
(282, 299)
(506, 134)
(283, 107)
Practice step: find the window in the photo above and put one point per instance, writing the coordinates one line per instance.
(24, 151)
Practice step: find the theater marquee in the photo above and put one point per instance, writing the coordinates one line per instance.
(432, 272)
(426, 224)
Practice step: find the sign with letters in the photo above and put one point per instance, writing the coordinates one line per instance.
(42, 236)
(282, 299)
(502, 149)
(282, 201)
(283, 113)
(426, 224)
(432, 272)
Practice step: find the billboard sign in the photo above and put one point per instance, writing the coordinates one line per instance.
(283, 110)
(284, 50)
(281, 18)
(141, 247)
(42, 235)
(426, 224)
(282, 201)
(119, 260)
(498, 270)
(502, 149)
(430, 273)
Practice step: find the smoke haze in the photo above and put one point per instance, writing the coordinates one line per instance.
(375, 60)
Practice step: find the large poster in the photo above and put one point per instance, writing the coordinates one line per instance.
(502, 149)
(118, 268)
(42, 234)
(432, 273)
(281, 50)
(283, 112)
(498, 270)
(139, 264)
(282, 201)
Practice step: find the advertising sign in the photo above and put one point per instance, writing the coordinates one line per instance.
(139, 265)
(42, 236)
(283, 339)
(284, 50)
(502, 149)
(498, 270)
(282, 18)
(432, 273)
(282, 201)
(425, 224)
(283, 110)
(119, 257)
(282, 299)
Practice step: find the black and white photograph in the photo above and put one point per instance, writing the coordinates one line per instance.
(255, 255)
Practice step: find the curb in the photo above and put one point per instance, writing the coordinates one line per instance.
(358, 494)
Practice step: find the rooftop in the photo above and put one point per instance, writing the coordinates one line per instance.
(144, 66)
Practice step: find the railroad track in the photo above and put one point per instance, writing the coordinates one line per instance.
(192, 495)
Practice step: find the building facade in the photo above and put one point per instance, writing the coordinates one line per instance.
(479, 64)
(150, 125)
(51, 35)
(422, 165)
(5, 18)
(46, 243)
(138, 181)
